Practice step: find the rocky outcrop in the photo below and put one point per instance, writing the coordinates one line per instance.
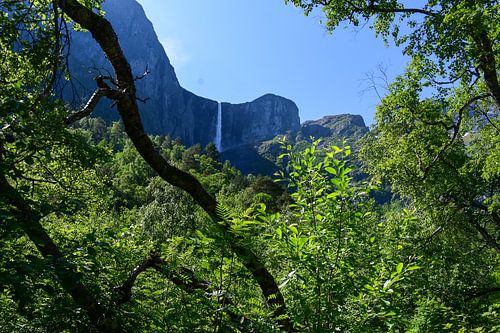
(169, 109)
(341, 126)
(259, 120)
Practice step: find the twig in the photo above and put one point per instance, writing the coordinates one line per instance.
(143, 75)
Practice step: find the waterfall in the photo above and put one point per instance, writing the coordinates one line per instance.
(218, 128)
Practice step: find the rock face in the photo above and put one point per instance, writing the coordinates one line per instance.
(248, 160)
(258, 120)
(170, 109)
(342, 125)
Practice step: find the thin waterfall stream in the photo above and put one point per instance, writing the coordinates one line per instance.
(218, 128)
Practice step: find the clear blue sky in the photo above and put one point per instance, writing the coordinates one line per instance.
(238, 50)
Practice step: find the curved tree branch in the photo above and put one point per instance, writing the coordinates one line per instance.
(86, 110)
(103, 33)
(124, 291)
(456, 131)
(185, 279)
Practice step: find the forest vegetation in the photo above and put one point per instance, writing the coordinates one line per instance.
(106, 229)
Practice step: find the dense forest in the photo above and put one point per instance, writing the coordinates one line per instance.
(104, 228)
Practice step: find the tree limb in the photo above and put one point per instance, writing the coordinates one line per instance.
(487, 63)
(376, 9)
(484, 292)
(488, 238)
(154, 261)
(87, 109)
(456, 130)
(184, 279)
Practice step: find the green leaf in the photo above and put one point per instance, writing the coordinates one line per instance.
(388, 284)
(399, 268)
(279, 233)
(293, 229)
(412, 268)
(331, 170)
(302, 242)
(333, 195)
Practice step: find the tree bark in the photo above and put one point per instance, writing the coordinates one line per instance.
(487, 63)
(103, 33)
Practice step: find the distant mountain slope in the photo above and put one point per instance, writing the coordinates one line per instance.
(170, 109)
(341, 126)
(262, 157)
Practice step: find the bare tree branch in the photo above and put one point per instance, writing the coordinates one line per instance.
(87, 109)
(143, 75)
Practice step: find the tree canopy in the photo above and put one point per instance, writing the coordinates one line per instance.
(456, 41)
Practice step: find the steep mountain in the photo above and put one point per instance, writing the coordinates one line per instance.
(170, 109)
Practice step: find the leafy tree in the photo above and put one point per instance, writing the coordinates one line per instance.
(32, 44)
(211, 151)
(456, 40)
(189, 157)
(436, 132)
(437, 150)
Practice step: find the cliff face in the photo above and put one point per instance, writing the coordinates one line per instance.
(170, 109)
(258, 120)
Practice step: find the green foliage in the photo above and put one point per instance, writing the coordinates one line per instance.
(435, 142)
(327, 238)
(442, 32)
